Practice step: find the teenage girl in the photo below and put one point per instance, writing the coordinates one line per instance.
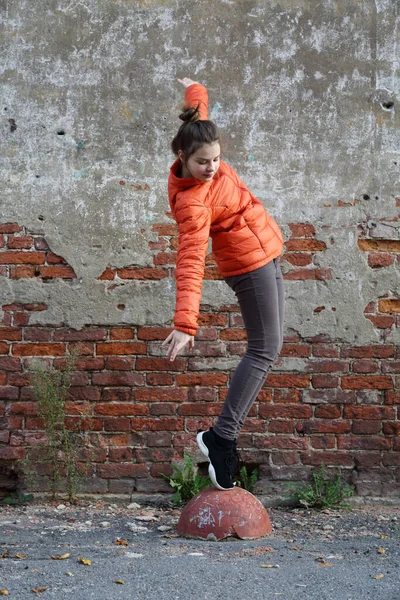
(207, 198)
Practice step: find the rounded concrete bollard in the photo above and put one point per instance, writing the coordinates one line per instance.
(215, 515)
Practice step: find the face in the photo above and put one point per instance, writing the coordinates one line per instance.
(202, 164)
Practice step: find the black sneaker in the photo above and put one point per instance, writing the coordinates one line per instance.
(222, 456)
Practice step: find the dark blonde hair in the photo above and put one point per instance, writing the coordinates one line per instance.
(193, 133)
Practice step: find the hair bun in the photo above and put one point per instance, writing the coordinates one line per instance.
(190, 114)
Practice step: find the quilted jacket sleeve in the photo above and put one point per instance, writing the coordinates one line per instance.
(197, 95)
(193, 220)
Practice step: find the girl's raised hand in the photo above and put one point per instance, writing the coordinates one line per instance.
(177, 340)
(186, 82)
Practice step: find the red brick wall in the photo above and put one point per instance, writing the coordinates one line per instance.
(338, 405)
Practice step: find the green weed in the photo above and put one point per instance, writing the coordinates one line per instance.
(186, 482)
(323, 492)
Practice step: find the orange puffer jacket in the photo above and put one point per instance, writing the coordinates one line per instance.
(244, 236)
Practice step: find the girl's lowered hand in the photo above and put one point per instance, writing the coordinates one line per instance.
(186, 82)
(177, 340)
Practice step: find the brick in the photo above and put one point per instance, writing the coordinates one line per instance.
(21, 349)
(115, 378)
(23, 242)
(153, 333)
(327, 366)
(117, 424)
(114, 363)
(364, 427)
(107, 275)
(4, 348)
(7, 363)
(167, 229)
(201, 379)
(142, 273)
(304, 245)
(126, 409)
(237, 348)
(159, 469)
(120, 348)
(291, 396)
(75, 335)
(55, 259)
(23, 408)
(41, 244)
(285, 458)
(381, 382)
(154, 424)
(377, 261)
(379, 245)
(3, 271)
(10, 228)
(122, 333)
(280, 442)
(162, 409)
(365, 366)
(327, 412)
(159, 439)
(389, 306)
(159, 379)
(281, 427)
(199, 409)
(298, 259)
(323, 442)
(213, 320)
(363, 443)
(160, 395)
(368, 412)
(12, 453)
(378, 351)
(160, 364)
(391, 459)
(117, 394)
(391, 397)
(287, 381)
(91, 394)
(391, 428)
(66, 272)
(254, 426)
(14, 257)
(381, 322)
(286, 411)
(368, 459)
(390, 367)
(302, 229)
(233, 334)
(9, 392)
(330, 459)
(90, 364)
(21, 319)
(309, 274)
(120, 455)
(299, 350)
(370, 397)
(37, 334)
(115, 471)
(326, 426)
(165, 258)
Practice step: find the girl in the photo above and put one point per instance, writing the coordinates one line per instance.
(207, 198)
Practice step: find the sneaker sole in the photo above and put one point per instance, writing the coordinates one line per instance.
(211, 470)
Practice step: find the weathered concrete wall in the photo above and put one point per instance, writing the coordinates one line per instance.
(306, 98)
(303, 95)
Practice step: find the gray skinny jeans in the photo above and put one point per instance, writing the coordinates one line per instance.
(260, 294)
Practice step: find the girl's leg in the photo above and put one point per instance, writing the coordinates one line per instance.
(261, 298)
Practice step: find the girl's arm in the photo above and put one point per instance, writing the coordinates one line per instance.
(196, 95)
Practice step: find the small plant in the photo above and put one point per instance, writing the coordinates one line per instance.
(323, 492)
(247, 479)
(17, 498)
(62, 446)
(185, 481)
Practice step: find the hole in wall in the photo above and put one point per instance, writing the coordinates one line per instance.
(387, 105)
(121, 306)
(366, 196)
(61, 132)
(41, 218)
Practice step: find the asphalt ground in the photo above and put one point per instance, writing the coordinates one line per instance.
(136, 554)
